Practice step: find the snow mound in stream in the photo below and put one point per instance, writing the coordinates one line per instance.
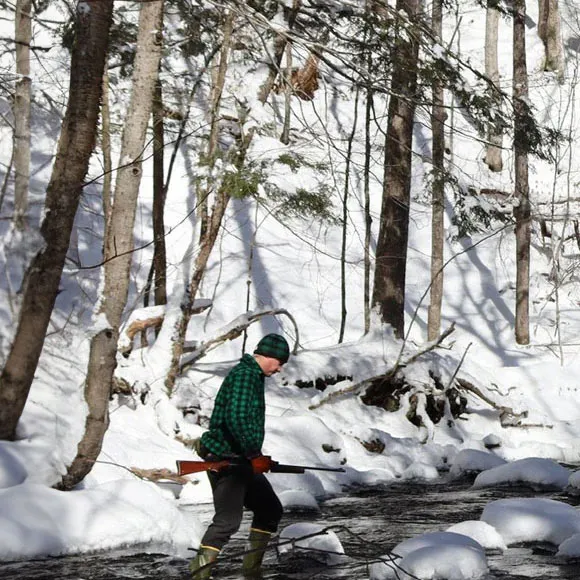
(433, 556)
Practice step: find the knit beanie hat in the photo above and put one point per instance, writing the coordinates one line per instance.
(274, 346)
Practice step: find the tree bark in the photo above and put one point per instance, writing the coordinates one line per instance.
(119, 243)
(159, 195)
(391, 252)
(22, 97)
(438, 190)
(367, 210)
(344, 240)
(75, 146)
(522, 210)
(288, 90)
(550, 33)
(493, 153)
(107, 157)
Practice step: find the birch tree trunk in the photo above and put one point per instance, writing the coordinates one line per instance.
(438, 191)
(75, 146)
(391, 252)
(549, 30)
(22, 95)
(493, 154)
(107, 157)
(522, 210)
(119, 243)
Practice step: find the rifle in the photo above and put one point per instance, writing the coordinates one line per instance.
(260, 464)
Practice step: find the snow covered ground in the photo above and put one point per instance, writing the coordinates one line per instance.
(539, 383)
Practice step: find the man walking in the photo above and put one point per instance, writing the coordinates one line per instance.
(236, 431)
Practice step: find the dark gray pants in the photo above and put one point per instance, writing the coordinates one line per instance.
(234, 488)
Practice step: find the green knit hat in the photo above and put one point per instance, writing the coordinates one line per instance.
(274, 346)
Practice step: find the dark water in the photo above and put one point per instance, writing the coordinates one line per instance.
(368, 522)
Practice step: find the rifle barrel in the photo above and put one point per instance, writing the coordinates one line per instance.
(280, 467)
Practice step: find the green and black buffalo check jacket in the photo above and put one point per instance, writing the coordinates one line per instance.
(237, 421)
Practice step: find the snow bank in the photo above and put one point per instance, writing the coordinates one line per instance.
(39, 521)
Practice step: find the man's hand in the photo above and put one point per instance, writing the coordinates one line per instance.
(262, 463)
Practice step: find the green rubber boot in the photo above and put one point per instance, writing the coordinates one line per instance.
(200, 567)
(252, 564)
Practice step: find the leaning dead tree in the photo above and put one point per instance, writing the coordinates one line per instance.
(233, 331)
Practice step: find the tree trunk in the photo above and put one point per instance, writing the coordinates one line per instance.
(157, 276)
(206, 246)
(107, 157)
(119, 243)
(288, 90)
(368, 217)
(218, 81)
(22, 95)
(344, 241)
(279, 47)
(75, 146)
(391, 252)
(493, 154)
(159, 264)
(438, 193)
(367, 181)
(550, 33)
(522, 210)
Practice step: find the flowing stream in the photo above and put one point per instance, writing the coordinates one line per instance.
(369, 522)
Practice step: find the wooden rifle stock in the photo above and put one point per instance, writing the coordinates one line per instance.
(185, 467)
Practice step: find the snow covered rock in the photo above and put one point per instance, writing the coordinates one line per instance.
(573, 487)
(481, 532)
(569, 549)
(312, 541)
(433, 556)
(474, 461)
(536, 472)
(296, 500)
(532, 520)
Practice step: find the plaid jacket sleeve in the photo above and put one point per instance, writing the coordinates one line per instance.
(245, 410)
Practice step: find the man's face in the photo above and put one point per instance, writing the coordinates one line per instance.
(269, 365)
